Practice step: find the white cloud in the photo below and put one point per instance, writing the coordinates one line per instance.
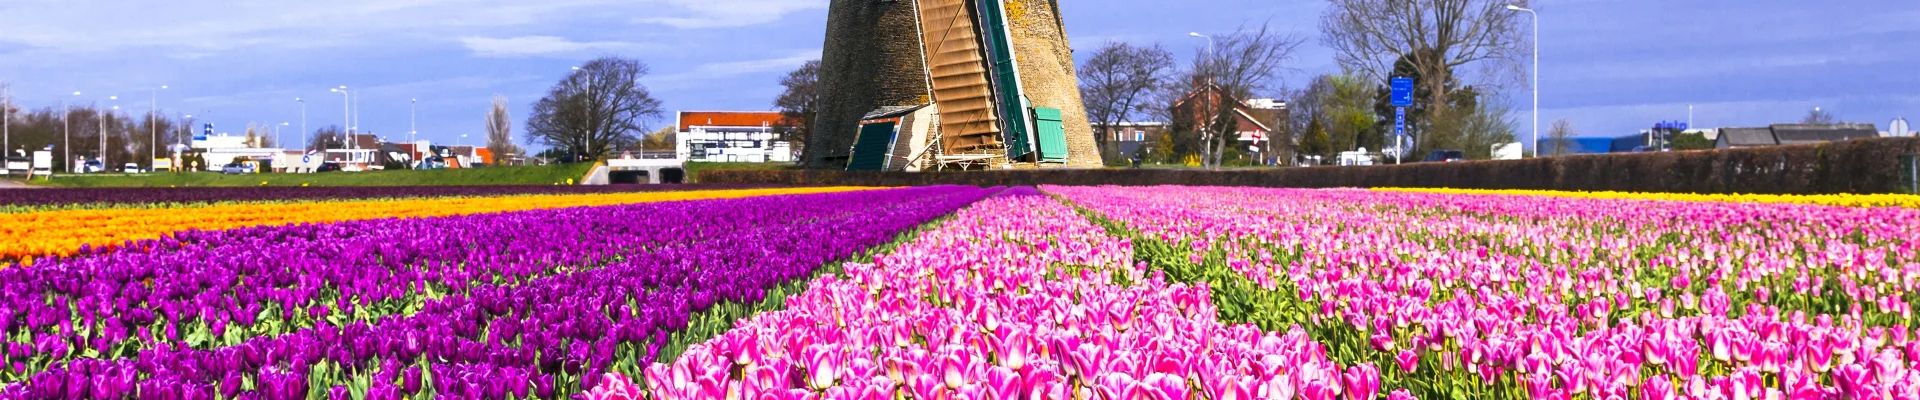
(187, 26)
(527, 46)
(731, 13)
(722, 70)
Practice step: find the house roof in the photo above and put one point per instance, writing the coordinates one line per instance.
(1742, 137)
(1816, 133)
(1250, 118)
(690, 119)
(366, 140)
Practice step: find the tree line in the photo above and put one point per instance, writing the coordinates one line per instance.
(78, 130)
(1462, 54)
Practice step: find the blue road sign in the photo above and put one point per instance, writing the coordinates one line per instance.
(1402, 92)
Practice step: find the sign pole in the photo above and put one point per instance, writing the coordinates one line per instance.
(1402, 97)
(1399, 133)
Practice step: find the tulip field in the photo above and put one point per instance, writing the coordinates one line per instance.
(954, 292)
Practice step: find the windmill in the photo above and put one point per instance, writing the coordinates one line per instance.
(939, 83)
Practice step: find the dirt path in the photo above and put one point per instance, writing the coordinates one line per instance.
(7, 184)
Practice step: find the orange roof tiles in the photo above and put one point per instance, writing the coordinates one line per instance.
(689, 119)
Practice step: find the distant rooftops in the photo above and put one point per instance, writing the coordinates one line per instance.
(1781, 134)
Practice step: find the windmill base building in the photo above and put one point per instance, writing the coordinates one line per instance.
(926, 84)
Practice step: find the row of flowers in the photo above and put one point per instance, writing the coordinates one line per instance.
(173, 197)
(1016, 297)
(1840, 199)
(65, 233)
(481, 306)
(1554, 297)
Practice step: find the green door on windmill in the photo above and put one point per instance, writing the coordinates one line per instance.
(1052, 134)
(870, 149)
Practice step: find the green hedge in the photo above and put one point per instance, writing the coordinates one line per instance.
(1856, 166)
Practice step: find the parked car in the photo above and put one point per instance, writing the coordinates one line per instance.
(1445, 156)
(92, 166)
(236, 168)
(328, 167)
(131, 168)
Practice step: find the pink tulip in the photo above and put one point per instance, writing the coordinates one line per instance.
(1408, 361)
(615, 387)
(1362, 381)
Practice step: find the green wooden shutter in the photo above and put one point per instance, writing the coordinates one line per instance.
(1052, 134)
(1006, 77)
(870, 149)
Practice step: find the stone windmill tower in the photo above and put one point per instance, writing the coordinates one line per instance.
(986, 82)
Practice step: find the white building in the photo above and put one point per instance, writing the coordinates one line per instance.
(732, 136)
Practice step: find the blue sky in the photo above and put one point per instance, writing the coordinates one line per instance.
(1611, 67)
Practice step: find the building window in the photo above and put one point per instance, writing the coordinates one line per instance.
(1140, 135)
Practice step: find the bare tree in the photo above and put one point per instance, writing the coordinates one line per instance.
(1819, 116)
(1238, 65)
(1437, 36)
(799, 105)
(1559, 137)
(327, 137)
(1118, 80)
(500, 130)
(599, 107)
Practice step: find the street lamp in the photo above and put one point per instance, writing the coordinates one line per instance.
(276, 135)
(413, 126)
(463, 139)
(1208, 75)
(303, 122)
(6, 120)
(153, 130)
(103, 133)
(588, 141)
(1536, 75)
(346, 108)
(66, 131)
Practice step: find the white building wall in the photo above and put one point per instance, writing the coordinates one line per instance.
(732, 144)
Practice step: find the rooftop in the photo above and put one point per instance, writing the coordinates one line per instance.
(690, 119)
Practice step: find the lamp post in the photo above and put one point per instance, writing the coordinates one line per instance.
(346, 108)
(276, 134)
(352, 142)
(153, 130)
(303, 122)
(1536, 75)
(103, 132)
(413, 127)
(66, 131)
(463, 139)
(588, 142)
(6, 120)
(1208, 74)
